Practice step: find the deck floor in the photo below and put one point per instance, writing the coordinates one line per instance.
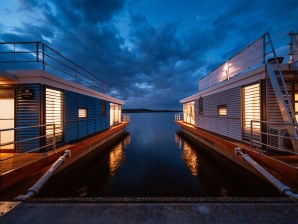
(13, 161)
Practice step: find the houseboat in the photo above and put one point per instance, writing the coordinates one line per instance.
(47, 101)
(248, 106)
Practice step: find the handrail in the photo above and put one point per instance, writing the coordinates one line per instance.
(179, 117)
(49, 58)
(125, 118)
(284, 189)
(53, 144)
(40, 183)
(268, 144)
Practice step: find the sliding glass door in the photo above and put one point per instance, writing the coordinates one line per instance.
(7, 118)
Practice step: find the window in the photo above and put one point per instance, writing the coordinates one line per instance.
(103, 108)
(7, 117)
(251, 111)
(201, 106)
(54, 112)
(188, 112)
(115, 114)
(222, 110)
(82, 112)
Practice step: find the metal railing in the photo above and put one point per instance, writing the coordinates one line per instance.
(179, 117)
(125, 118)
(272, 136)
(37, 139)
(41, 56)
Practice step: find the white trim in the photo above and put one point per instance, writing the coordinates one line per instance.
(43, 77)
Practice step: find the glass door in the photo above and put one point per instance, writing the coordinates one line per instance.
(7, 118)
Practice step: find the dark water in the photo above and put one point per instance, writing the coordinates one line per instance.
(154, 160)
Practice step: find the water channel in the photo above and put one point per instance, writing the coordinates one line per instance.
(153, 160)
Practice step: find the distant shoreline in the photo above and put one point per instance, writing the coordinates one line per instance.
(147, 111)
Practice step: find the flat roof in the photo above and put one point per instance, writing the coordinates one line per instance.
(43, 77)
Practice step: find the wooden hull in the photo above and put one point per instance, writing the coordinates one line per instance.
(20, 170)
(284, 168)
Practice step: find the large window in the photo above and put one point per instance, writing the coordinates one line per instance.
(115, 114)
(189, 113)
(54, 112)
(251, 108)
(7, 117)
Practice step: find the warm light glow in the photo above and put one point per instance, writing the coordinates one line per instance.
(190, 158)
(189, 113)
(54, 112)
(82, 113)
(115, 114)
(251, 107)
(222, 110)
(6, 122)
(115, 159)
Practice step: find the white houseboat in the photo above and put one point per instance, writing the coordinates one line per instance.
(250, 104)
(48, 101)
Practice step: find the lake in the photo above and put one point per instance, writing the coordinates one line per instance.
(154, 160)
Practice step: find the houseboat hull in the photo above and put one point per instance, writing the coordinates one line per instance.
(224, 146)
(30, 172)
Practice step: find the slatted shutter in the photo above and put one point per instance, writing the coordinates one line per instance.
(54, 114)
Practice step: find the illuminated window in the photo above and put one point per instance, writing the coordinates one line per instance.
(188, 112)
(54, 112)
(115, 114)
(222, 110)
(82, 113)
(7, 117)
(251, 110)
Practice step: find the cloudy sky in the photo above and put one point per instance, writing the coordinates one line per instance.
(151, 53)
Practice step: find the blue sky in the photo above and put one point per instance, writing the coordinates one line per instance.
(151, 53)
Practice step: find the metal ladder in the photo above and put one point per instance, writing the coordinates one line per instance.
(282, 96)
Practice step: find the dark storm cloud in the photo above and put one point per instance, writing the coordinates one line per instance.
(150, 66)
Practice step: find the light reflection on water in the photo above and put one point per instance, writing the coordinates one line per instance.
(155, 160)
(188, 155)
(116, 155)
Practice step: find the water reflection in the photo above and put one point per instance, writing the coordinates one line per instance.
(116, 155)
(153, 161)
(188, 155)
